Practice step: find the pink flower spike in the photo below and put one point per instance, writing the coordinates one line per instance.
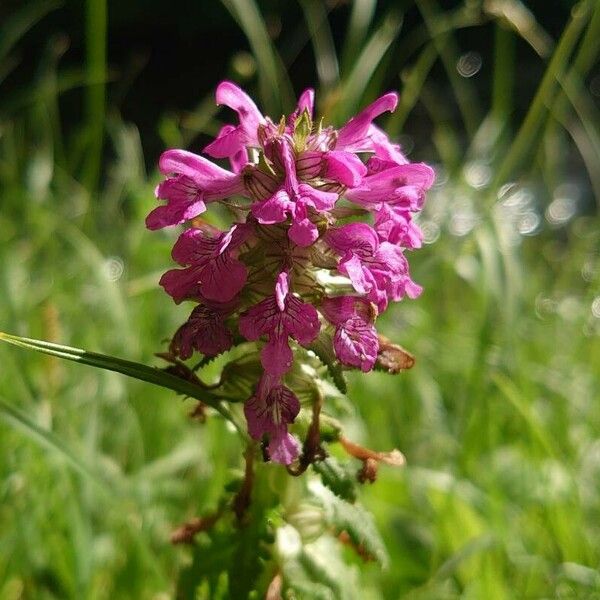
(354, 135)
(306, 101)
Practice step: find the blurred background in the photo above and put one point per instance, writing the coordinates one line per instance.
(499, 419)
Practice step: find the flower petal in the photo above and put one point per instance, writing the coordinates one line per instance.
(301, 320)
(276, 356)
(229, 94)
(355, 131)
(307, 101)
(344, 167)
(284, 448)
(356, 344)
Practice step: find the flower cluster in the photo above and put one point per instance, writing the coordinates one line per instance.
(295, 263)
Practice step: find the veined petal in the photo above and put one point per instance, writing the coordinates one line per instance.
(276, 356)
(260, 319)
(301, 320)
(356, 130)
(380, 186)
(182, 283)
(359, 238)
(222, 278)
(193, 246)
(356, 344)
(204, 331)
(339, 309)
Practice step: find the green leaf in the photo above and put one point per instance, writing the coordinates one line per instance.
(119, 365)
(338, 478)
(354, 520)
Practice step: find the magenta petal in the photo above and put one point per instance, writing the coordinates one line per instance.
(356, 237)
(356, 344)
(223, 278)
(173, 214)
(182, 162)
(259, 319)
(360, 277)
(273, 210)
(276, 356)
(339, 309)
(303, 232)
(229, 94)
(227, 143)
(181, 283)
(307, 101)
(282, 287)
(204, 331)
(318, 199)
(301, 320)
(356, 130)
(284, 448)
(344, 167)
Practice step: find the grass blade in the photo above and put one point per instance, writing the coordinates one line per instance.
(119, 365)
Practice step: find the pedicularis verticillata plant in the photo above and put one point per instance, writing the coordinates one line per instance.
(291, 272)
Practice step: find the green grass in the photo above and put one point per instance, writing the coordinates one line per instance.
(499, 418)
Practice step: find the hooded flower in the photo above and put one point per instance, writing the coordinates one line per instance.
(355, 340)
(191, 182)
(211, 270)
(204, 331)
(279, 317)
(377, 269)
(268, 412)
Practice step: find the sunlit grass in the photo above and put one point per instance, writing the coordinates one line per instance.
(498, 420)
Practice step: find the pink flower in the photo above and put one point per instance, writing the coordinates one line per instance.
(204, 331)
(212, 270)
(279, 317)
(377, 269)
(293, 199)
(268, 412)
(355, 341)
(232, 141)
(191, 182)
(356, 135)
(397, 227)
(398, 185)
